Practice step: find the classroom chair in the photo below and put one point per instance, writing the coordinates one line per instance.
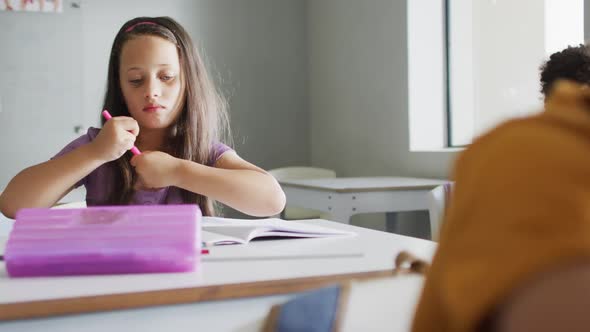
(302, 173)
(438, 198)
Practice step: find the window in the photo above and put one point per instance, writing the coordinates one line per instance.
(474, 64)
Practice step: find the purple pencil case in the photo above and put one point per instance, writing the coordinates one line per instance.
(104, 240)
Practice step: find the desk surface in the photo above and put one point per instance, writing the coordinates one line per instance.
(236, 264)
(363, 184)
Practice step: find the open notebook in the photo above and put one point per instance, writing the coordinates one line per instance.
(221, 231)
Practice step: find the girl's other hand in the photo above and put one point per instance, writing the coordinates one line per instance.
(156, 169)
(115, 138)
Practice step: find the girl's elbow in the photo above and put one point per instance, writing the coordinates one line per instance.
(272, 205)
(278, 203)
(8, 214)
(5, 208)
(271, 200)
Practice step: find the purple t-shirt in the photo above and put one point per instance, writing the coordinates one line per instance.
(97, 182)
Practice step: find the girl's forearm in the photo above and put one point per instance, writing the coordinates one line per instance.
(44, 184)
(252, 192)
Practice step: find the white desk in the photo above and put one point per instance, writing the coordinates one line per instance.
(378, 250)
(345, 197)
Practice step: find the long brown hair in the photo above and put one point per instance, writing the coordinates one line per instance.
(202, 121)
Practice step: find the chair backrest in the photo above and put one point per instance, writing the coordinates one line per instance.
(437, 200)
(301, 172)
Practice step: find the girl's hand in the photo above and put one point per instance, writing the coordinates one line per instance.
(156, 169)
(115, 138)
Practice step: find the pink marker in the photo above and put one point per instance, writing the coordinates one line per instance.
(108, 116)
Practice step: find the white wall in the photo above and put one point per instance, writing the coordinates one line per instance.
(40, 86)
(358, 90)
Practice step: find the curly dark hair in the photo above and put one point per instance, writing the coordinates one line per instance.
(572, 63)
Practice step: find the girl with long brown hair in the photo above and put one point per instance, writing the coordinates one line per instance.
(163, 101)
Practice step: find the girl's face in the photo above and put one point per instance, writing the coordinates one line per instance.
(151, 82)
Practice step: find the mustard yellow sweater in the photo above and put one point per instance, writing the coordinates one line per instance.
(520, 206)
